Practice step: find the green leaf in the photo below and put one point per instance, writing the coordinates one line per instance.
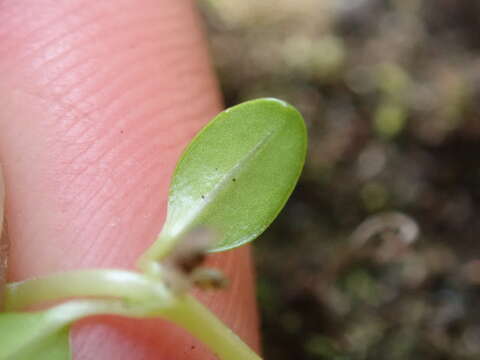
(236, 175)
(38, 335)
(45, 334)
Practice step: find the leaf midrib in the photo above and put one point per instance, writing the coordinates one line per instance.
(225, 181)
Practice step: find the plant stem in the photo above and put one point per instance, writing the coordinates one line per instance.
(77, 309)
(200, 322)
(150, 297)
(148, 263)
(84, 283)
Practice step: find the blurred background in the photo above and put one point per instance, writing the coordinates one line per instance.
(376, 255)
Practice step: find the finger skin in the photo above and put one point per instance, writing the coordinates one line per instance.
(97, 101)
(3, 243)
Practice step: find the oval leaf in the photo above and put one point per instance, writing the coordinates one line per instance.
(45, 334)
(38, 335)
(236, 175)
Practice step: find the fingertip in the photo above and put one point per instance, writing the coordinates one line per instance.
(101, 100)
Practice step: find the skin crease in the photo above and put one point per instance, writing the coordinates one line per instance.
(97, 101)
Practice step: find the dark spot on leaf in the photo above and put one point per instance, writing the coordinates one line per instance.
(234, 179)
(203, 196)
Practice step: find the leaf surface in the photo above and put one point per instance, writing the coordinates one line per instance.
(236, 174)
(44, 334)
(26, 336)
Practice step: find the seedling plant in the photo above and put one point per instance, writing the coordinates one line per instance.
(228, 186)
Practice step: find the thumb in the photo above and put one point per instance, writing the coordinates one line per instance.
(97, 100)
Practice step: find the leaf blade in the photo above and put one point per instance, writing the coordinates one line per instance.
(236, 175)
(45, 334)
(25, 336)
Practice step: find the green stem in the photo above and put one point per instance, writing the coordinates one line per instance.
(150, 296)
(74, 310)
(84, 283)
(200, 322)
(149, 263)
